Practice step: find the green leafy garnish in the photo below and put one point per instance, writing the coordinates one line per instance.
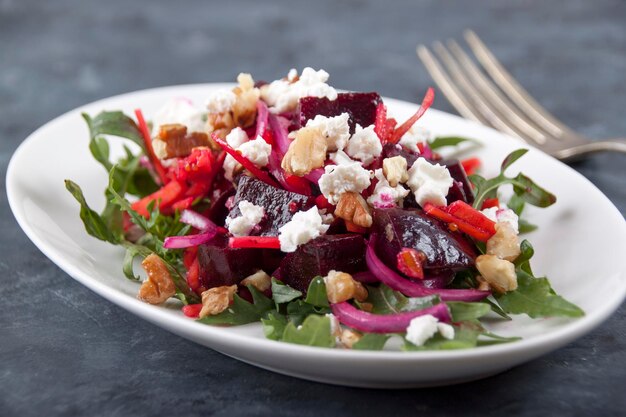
(465, 337)
(94, 224)
(314, 331)
(523, 186)
(274, 325)
(371, 341)
(282, 293)
(443, 141)
(114, 123)
(316, 294)
(462, 311)
(384, 300)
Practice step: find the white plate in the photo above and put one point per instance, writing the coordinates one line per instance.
(579, 245)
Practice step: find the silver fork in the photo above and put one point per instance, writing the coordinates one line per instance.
(500, 102)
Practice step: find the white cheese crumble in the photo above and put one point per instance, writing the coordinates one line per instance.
(250, 216)
(335, 326)
(415, 135)
(502, 215)
(384, 195)
(424, 327)
(257, 151)
(303, 227)
(336, 129)
(179, 111)
(364, 145)
(340, 158)
(283, 95)
(220, 101)
(235, 138)
(338, 179)
(430, 183)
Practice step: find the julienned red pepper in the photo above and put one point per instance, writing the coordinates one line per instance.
(145, 133)
(380, 122)
(468, 219)
(193, 275)
(258, 242)
(322, 203)
(192, 310)
(490, 202)
(409, 262)
(257, 172)
(165, 197)
(429, 97)
(471, 165)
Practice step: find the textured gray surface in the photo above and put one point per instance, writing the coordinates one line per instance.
(66, 351)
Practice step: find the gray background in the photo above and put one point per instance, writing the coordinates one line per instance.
(66, 351)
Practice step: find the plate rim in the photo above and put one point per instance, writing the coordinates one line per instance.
(552, 340)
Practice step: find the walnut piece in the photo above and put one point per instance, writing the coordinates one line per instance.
(173, 141)
(349, 337)
(216, 300)
(306, 152)
(499, 273)
(259, 280)
(352, 207)
(159, 286)
(244, 109)
(394, 169)
(504, 243)
(341, 287)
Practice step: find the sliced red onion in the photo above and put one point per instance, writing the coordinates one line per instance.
(197, 220)
(278, 173)
(385, 323)
(315, 175)
(412, 289)
(280, 133)
(261, 117)
(179, 242)
(365, 277)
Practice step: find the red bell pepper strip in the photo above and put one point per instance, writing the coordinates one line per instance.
(380, 122)
(192, 310)
(322, 203)
(490, 202)
(165, 197)
(183, 204)
(409, 262)
(257, 172)
(429, 97)
(257, 242)
(468, 219)
(193, 275)
(156, 163)
(471, 165)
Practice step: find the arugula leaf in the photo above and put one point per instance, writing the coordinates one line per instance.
(114, 123)
(516, 203)
(523, 186)
(314, 331)
(316, 294)
(127, 265)
(495, 339)
(444, 141)
(94, 224)
(274, 325)
(465, 337)
(298, 310)
(525, 226)
(371, 341)
(497, 309)
(536, 298)
(282, 293)
(462, 311)
(241, 311)
(384, 300)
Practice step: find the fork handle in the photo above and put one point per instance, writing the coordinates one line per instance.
(610, 145)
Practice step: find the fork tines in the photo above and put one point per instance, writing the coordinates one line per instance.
(490, 96)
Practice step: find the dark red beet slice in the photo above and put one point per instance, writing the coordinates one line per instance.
(221, 265)
(412, 228)
(344, 253)
(360, 106)
(279, 205)
(390, 150)
(461, 189)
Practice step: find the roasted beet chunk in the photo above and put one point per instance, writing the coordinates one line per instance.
(279, 205)
(360, 106)
(399, 229)
(461, 189)
(221, 265)
(344, 253)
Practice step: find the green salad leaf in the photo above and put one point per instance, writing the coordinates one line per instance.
(384, 300)
(316, 294)
(465, 337)
(282, 293)
(371, 341)
(114, 123)
(314, 331)
(274, 325)
(94, 224)
(443, 141)
(462, 311)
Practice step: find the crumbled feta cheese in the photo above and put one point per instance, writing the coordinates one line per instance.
(335, 326)
(446, 330)
(384, 195)
(338, 179)
(364, 145)
(303, 227)
(340, 158)
(236, 137)
(336, 129)
(421, 329)
(283, 96)
(220, 101)
(503, 215)
(415, 135)
(250, 216)
(257, 151)
(179, 111)
(430, 183)
(292, 75)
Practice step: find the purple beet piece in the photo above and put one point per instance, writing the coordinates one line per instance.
(221, 265)
(412, 228)
(360, 106)
(458, 174)
(279, 205)
(344, 253)
(218, 210)
(390, 150)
